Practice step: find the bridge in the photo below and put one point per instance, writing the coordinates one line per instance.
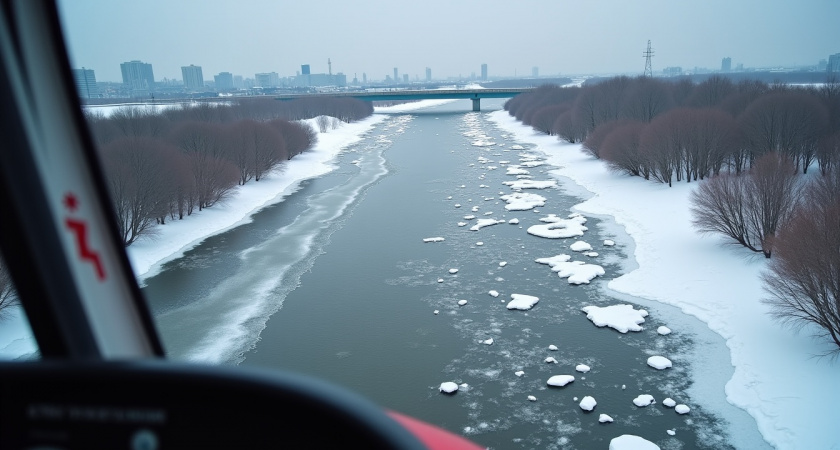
(421, 94)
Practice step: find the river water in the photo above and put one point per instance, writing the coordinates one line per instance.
(336, 282)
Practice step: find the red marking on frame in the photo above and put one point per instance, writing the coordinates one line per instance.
(71, 202)
(79, 229)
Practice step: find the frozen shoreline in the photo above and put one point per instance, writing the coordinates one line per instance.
(790, 394)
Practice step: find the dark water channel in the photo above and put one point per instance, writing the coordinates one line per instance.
(337, 282)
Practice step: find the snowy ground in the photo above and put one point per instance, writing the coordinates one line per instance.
(777, 380)
(176, 237)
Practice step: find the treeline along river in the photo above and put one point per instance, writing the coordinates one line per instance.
(337, 282)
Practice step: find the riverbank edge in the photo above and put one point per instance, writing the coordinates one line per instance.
(775, 378)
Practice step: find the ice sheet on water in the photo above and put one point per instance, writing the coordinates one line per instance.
(622, 318)
(632, 442)
(522, 302)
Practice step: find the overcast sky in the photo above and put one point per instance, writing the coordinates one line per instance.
(452, 37)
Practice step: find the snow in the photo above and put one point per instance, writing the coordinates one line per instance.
(531, 398)
(488, 341)
(663, 330)
(580, 246)
(560, 380)
(578, 272)
(587, 403)
(514, 221)
(434, 239)
(436, 312)
(559, 228)
(494, 293)
(700, 276)
(448, 387)
(502, 263)
(453, 271)
(550, 360)
(669, 402)
(632, 442)
(462, 302)
(659, 362)
(671, 432)
(522, 302)
(583, 368)
(682, 409)
(609, 242)
(553, 348)
(530, 184)
(519, 373)
(622, 318)
(603, 418)
(554, 260)
(643, 400)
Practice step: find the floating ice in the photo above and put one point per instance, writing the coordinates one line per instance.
(622, 318)
(603, 418)
(436, 312)
(517, 147)
(580, 246)
(551, 360)
(502, 263)
(449, 198)
(663, 330)
(519, 373)
(433, 239)
(487, 341)
(553, 348)
(532, 398)
(522, 302)
(659, 362)
(448, 387)
(469, 217)
(578, 272)
(479, 243)
(588, 403)
(516, 170)
(531, 163)
(462, 224)
(481, 223)
(583, 368)
(559, 228)
(554, 260)
(475, 209)
(671, 432)
(440, 280)
(453, 271)
(682, 409)
(457, 205)
(494, 293)
(609, 242)
(632, 442)
(522, 201)
(669, 402)
(591, 254)
(530, 184)
(560, 380)
(643, 400)
(513, 221)
(462, 302)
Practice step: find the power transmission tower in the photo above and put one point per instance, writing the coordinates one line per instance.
(648, 54)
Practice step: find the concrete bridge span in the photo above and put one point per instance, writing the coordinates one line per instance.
(420, 94)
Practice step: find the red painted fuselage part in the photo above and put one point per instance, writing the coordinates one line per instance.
(433, 437)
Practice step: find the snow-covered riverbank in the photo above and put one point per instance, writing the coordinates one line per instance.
(791, 395)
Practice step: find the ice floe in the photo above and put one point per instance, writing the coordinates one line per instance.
(659, 362)
(494, 293)
(553, 348)
(448, 387)
(583, 368)
(522, 302)
(603, 418)
(513, 221)
(622, 318)
(530, 184)
(531, 398)
(580, 246)
(453, 271)
(519, 373)
(434, 239)
(560, 380)
(663, 330)
(644, 400)
(669, 402)
(488, 341)
(559, 228)
(632, 442)
(682, 409)
(550, 360)
(502, 263)
(522, 201)
(481, 223)
(462, 302)
(609, 242)
(587, 403)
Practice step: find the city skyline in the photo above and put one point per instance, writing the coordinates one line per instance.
(561, 37)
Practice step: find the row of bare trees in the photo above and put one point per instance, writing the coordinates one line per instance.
(171, 164)
(674, 131)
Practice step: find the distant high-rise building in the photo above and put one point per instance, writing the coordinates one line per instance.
(193, 77)
(224, 81)
(726, 64)
(428, 74)
(396, 76)
(833, 65)
(85, 83)
(822, 65)
(405, 78)
(484, 72)
(238, 82)
(364, 77)
(138, 76)
(535, 72)
(672, 71)
(304, 69)
(265, 80)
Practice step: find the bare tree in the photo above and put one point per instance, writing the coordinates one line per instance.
(621, 149)
(212, 173)
(544, 118)
(595, 139)
(8, 295)
(323, 123)
(803, 279)
(749, 208)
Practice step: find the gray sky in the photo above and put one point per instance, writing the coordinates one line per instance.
(451, 36)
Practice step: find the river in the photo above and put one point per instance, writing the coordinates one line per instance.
(337, 282)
